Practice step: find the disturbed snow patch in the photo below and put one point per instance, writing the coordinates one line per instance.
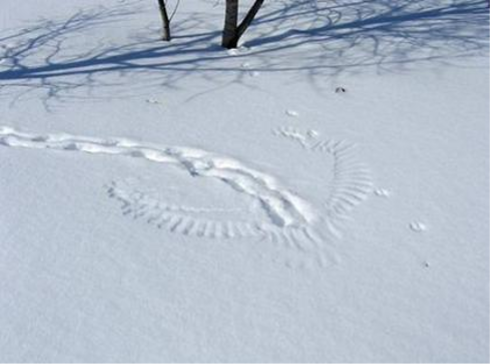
(285, 217)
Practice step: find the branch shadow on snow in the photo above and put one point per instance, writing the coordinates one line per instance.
(62, 59)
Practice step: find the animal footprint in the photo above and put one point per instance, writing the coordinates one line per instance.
(304, 138)
(381, 192)
(292, 113)
(418, 226)
(153, 101)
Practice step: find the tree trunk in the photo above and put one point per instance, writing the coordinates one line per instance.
(231, 21)
(249, 18)
(165, 21)
(233, 32)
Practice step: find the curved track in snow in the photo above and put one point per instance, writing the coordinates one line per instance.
(291, 220)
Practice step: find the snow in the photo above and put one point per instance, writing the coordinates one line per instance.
(319, 194)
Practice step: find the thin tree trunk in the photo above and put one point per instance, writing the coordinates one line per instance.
(233, 32)
(231, 20)
(249, 18)
(165, 21)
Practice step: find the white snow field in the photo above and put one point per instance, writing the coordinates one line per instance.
(319, 194)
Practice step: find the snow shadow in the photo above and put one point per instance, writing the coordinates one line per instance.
(82, 57)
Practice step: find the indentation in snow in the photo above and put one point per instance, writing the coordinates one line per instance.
(289, 219)
(418, 226)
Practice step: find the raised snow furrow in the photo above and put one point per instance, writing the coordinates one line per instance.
(282, 206)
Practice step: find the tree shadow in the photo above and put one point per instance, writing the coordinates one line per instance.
(63, 59)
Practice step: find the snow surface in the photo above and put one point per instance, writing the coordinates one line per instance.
(319, 194)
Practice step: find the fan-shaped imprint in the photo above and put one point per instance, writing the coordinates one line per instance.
(290, 221)
(351, 183)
